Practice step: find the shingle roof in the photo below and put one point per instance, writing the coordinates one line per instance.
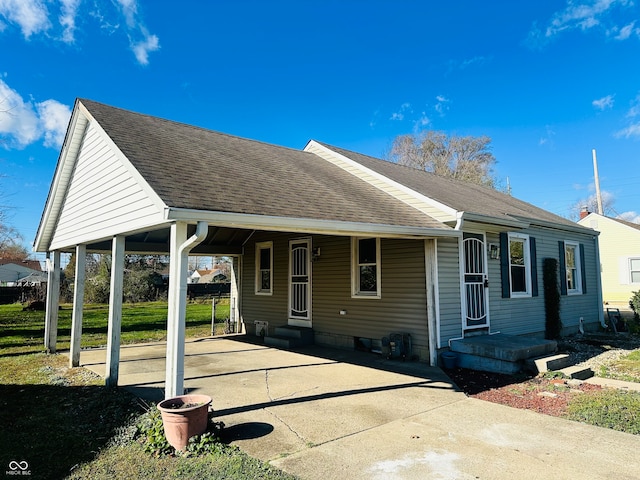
(461, 196)
(250, 177)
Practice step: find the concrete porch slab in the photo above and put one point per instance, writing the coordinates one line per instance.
(510, 348)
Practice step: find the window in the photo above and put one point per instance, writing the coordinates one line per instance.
(264, 268)
(572, 276)
(519, 265)
(572, 263)
(365, 267)
(634, 270)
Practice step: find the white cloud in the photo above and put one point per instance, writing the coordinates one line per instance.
(68, 19)
(442, 104)
(634, 110)
(547, 138)
(142, 48)
(603, 103)
(630, 216)
(35, 17)
(422, 122)
(23, 122)
(31, 16)
(582, 16)
(632, 131)
(54, 117)
(141, 41)
(400, 114)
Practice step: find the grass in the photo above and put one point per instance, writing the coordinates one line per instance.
(23, 331)
(613, 409)
(627, 368)
(65, 424)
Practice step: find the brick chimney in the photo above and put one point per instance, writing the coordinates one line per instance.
(584, 212)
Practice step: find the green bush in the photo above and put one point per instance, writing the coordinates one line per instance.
(553, 324)
(634, 303)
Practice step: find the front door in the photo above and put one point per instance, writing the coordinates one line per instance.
(300, 283)
(476, 284)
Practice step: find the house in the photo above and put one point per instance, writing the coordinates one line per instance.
(322, 239)
(619, 256)
(11, 271)
(207, 276)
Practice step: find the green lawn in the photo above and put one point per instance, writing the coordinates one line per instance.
(23, 331)
(65, 424)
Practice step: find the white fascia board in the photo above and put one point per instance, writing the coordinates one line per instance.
(60, 183)
(576, 228)
(304, 225)
(392, 183)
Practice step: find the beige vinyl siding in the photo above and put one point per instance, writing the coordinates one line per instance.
(402, 307)
(618, 243)
(449, 290)
(526, 316)
(103, 199)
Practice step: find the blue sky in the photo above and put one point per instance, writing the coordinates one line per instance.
(547, 81)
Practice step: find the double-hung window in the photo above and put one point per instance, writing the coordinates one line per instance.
(573, 268)
(365, 267)
(518, 265)
(264, 268)
(634, 270)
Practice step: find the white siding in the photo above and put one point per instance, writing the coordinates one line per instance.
(104, 197)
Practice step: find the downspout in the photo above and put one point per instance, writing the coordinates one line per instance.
(174, 381)
(599, 283)
(459, 221)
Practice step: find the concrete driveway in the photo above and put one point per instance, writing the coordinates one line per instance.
(328, 414)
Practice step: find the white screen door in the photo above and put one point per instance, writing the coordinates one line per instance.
(476, 284)
(300, 283)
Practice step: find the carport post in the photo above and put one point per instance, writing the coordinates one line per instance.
(115, 312)
(78, 301)
(179, 250)
(53, 302)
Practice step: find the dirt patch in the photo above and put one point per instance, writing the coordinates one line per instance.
(540, 393)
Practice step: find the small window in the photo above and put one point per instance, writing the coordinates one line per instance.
(519, 265)
(365, 267)
(634, 270)
(264, 268)
(573, 268)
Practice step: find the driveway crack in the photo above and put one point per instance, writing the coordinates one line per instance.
(271, 412)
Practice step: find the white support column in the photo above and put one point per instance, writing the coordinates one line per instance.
(78, 303)
(179, 249)
(115, 312)
(431, 276)
(53, 302)
(234, 296)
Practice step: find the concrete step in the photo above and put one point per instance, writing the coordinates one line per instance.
(289, 336)
(548, 362)
(577, 372)
(487, 364)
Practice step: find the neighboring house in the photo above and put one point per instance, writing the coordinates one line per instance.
(348, 245)
(11, 273)
(619, 256)
(207, 276)
(33, 279)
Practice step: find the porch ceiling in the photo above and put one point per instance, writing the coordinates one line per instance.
(219, 241)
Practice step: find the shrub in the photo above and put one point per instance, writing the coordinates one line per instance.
(553, 324)
(634, 303)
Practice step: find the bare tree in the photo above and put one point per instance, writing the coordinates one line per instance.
(590, 204)
(464, 158)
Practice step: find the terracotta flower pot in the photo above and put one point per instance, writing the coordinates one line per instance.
(184, 417)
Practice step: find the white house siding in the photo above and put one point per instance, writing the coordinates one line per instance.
(103, 198)
(449, 290)
(618, 243)
(402, 307)
(526, 316)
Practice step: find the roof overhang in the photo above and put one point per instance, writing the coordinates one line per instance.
(306, 225)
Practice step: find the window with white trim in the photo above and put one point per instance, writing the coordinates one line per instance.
(264, 268)
(634, 270)
(519, 265)
(573, 268)
(365, 267)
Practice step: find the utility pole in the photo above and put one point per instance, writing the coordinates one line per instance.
(597, 181)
